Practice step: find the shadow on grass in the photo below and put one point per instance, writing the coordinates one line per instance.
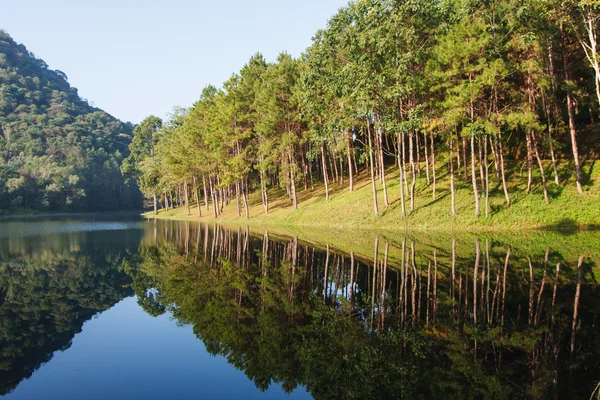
(568, 226)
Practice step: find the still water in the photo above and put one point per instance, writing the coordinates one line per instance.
(122, 308)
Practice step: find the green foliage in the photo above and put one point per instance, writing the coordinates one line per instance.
(56, 151)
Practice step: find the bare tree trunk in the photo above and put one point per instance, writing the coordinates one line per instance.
(451, 162)
(196, 195)
(576, 303)
(325, 178)
(487, 179)
(155, 204)
(412, 171)
(349, 162)
(433, 166)
(293, 181)
(541, 166)
(404, 166)
(205, 194)
(245, 196)
(502, 172)
(237, 199)
(380, 146)
(426, 159)
(529, 161)
(590, 20)
(572, 129)
(401, 170)
(474, 177)
(464, 151)
(371, 162)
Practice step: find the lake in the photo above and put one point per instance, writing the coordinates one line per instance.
(97, 307)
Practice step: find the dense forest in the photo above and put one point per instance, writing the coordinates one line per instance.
(492, 97)
(57, 152)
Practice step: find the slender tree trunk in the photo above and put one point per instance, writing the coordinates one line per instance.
(196, 195)
(348, 138)
(464, 151)
(541, 166)
(502, 172)
(529, 161)
(237, 199)
(383, 182)
(552, 101)
(205, 194)
(487, 179)
(451, 162)
(293, 180)
(245, 196)
(412, 171)
(589, 21)
(496, 161)
(404, 166)
(401, 170)
(426, 159)
(433, 166)
(371, 162)
(571, 113)
(155, 204)
(474, 177)
(325, 177)
(576, 303)
(186, 197)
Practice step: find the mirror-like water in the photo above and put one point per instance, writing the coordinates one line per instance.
(110, 308)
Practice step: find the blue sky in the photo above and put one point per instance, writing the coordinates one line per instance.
(133, 58)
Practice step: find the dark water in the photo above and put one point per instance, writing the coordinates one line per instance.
(122, 308)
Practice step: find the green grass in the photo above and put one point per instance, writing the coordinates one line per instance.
(567, 209)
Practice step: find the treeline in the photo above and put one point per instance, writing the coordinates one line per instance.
(453, 90)
(57, 152)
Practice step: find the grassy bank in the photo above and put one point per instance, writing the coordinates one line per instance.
(567, 209)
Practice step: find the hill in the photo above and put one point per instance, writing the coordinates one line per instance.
(57, 152)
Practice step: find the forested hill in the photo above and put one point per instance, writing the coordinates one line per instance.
(57, 152)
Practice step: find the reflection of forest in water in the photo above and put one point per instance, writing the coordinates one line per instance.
(49, 286)
(387, 316)
(464, 318)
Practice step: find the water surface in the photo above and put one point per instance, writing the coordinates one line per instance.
(125, 308)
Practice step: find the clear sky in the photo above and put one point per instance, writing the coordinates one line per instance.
(133, 58)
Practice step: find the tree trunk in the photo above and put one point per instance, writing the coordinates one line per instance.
(433, 167)
(155, 204)
(529, 161)
(237, 199)
(186, 197)
(371, 162)
(196, 196)
(474, 177)
(205, 194)
(451, 161)
(487, 179)
(293, 180)
(349, 163)
(426, 159)
(502, 172)
(542, 173)
(413, 171)
(572, 129)
(245, 197)
(385, 196)
(401, 170)
(325, 177)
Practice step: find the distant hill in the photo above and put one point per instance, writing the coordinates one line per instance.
(57, 152)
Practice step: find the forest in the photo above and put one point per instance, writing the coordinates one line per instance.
(57, 152)
(495, 98)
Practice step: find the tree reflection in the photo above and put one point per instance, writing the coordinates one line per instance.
(412, 321)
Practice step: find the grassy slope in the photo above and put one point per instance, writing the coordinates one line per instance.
(567, 209)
